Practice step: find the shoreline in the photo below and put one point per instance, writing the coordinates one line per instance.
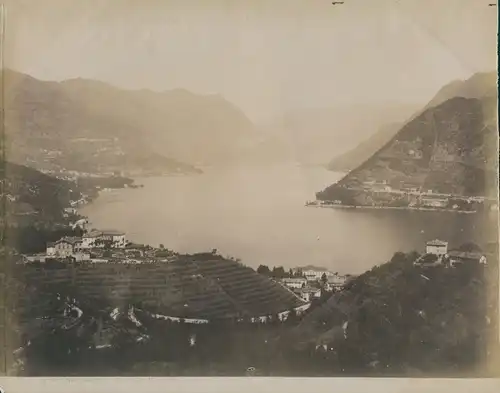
(426, 209)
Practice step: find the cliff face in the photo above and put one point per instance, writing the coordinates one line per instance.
(448, 149)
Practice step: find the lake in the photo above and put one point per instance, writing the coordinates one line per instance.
(257, 214)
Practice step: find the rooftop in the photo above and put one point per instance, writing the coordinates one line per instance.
(437, 242)
(93, 233)
(465, 254)
(70, 239)
(112, 232)
(314, 268)
(106, 232)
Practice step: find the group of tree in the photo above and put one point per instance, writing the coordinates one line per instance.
(278, 272)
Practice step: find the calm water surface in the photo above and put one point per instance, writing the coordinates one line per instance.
(257, 214)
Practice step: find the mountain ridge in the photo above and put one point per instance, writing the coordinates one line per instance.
(116, 128)
(482, 84)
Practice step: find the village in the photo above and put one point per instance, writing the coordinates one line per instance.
(100, 246)
(312, 282)
(380, 194)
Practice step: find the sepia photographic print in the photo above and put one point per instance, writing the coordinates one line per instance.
(249, 188)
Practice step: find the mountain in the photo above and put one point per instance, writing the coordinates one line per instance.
(350, 159)
(450, 149)
(397, 319)
(481, 84)
(310, 134)
(477, 86)
(91, 126)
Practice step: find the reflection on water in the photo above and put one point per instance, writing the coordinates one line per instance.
(257, 214)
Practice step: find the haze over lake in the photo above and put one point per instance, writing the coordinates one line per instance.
(257, 214)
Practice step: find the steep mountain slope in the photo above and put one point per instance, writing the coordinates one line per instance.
(87, 125)
(447, 149)
(477, 86)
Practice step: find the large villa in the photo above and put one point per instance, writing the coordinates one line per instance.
(438, 254)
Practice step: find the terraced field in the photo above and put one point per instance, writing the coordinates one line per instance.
(190, 287)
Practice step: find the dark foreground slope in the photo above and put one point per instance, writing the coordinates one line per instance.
(186, 288)
(394, 320)
(397, 319)
(92, 313)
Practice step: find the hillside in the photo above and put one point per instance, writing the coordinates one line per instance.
(397, 319)
(448, 149)
(32, 212)
(30, 192)
(128, 307)
(202, 287)
(394, 320)
(90, 126)
(479, 85)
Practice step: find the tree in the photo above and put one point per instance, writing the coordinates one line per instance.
(278, 272)
(324, 281)
(161, 246)
(264, 270)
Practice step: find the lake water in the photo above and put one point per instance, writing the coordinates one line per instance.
(257, 214)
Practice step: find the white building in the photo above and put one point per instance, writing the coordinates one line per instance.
(64, 247)
(434, 202)
(436, 247)
(336, 282)
(307, 294)
(81, 256)
(315, 274)
(99, 239)
(294, 282)
(51, 249)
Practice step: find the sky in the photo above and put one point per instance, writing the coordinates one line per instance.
(268, 57)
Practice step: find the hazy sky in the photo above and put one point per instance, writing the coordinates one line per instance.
(265, 56)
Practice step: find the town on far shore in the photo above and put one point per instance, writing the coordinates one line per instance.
(381, 194)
